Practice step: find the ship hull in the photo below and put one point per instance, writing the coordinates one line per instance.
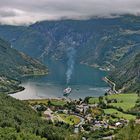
(67, 91)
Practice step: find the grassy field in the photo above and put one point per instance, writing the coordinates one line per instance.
(70, 119)
(38, 101)
(93, 100)
(124, 101)
(119, 114)
(58, 102)
(54, 102)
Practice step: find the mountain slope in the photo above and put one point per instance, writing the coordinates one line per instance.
(14, 65)
(128, 75)
(100, 41)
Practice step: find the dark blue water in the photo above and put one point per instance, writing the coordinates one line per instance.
(82, 75)
(85, 81)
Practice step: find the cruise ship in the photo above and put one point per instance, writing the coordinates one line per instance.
(67, 91)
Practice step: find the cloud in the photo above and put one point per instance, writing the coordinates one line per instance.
(26, 12)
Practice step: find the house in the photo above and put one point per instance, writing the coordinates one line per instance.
(118, 124)
(48, 113)
(89, 118)
(80, 108)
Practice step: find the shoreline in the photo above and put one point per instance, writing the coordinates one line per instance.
(111, 84)
(22, 88)
(96, 67)
(48, 92)
(30, 91)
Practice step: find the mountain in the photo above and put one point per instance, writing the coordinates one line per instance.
(14, 65)
(106, 43)
(103, 42)
(127, 76)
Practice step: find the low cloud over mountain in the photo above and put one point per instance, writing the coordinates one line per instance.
(26, 12)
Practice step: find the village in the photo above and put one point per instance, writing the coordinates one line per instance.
(87, 115)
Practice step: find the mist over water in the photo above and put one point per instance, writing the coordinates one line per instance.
(71, 52)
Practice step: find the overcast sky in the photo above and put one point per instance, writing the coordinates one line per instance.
(29, 11)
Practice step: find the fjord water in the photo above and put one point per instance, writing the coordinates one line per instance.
(85, 81)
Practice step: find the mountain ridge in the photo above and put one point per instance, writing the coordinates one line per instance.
(99, 38)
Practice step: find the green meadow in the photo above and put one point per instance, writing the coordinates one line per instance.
(124, 101)
(54, 102)
(119, 114)
(70, 119)
(93, 100)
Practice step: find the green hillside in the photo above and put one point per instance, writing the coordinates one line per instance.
(19, 121)
(14, 65)
(130, 132)
(127, 76)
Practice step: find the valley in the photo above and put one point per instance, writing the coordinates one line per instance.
(104, 43)
(40, 60)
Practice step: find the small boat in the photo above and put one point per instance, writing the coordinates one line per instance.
(67, 91)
